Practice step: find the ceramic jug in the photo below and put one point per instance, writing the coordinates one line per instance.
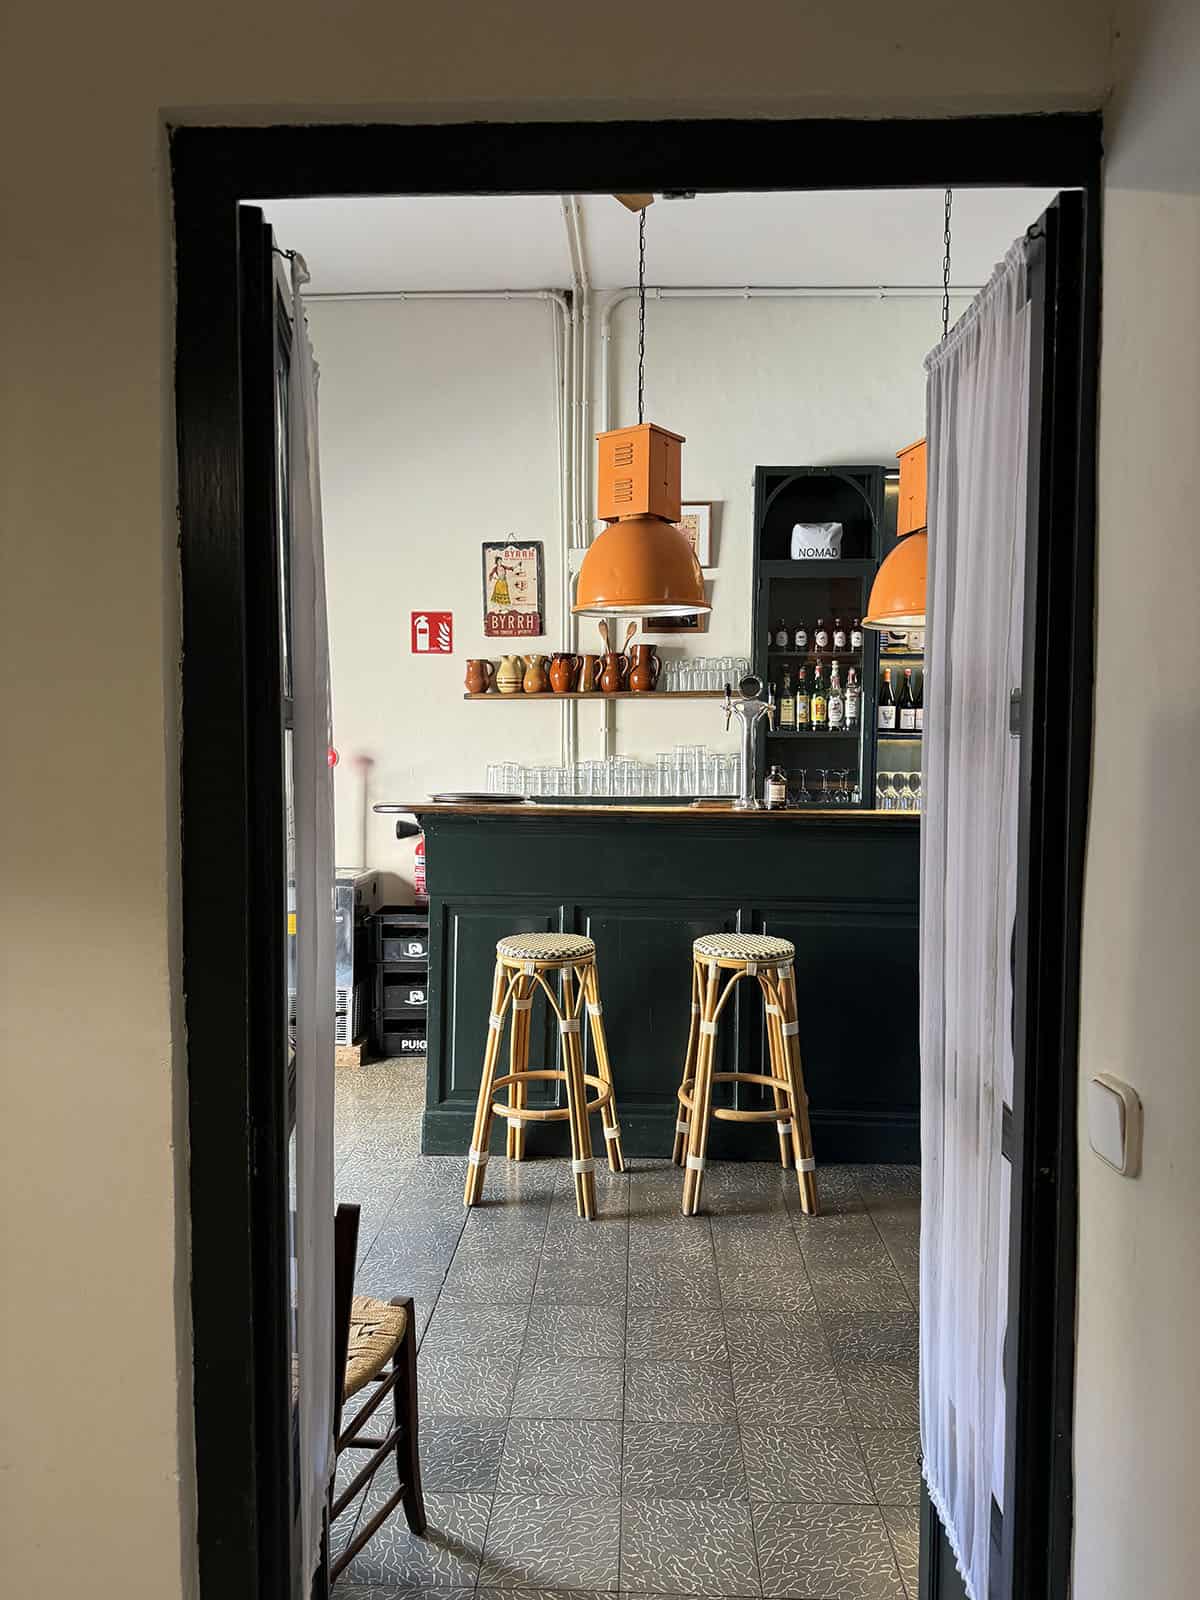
(510, 675)
(614, 673)
(536, 681)
(589, 674)
(480, 676)
(564, 670)
(644, 667)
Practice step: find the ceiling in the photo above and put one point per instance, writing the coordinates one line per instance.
(835, 239)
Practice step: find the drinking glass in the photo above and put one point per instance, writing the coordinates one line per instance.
(495, 778)
(881, 790)
(665, 768)
(915, 779)
(841, 794)
(803, 798)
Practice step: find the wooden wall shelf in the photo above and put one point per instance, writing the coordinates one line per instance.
(598, 694)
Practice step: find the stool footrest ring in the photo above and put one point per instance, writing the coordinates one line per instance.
(685, 1096)
(548, 1113)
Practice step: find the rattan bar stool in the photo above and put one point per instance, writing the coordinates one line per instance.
(771, 961)
(525, 962)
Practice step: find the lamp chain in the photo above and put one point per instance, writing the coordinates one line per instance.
(946, 267)
(641, 316)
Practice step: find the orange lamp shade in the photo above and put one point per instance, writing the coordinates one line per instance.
(640, 565)
(898, 593)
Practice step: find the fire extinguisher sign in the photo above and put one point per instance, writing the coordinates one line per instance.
(432, 633)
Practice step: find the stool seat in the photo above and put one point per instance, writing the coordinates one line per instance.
(545, 946)
(376, 1330)
(744, 947)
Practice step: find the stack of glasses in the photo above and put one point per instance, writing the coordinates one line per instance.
(685, 772)
(703, 673)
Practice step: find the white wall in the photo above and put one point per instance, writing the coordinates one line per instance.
(438, 429)
(94, 1158)
(1137, 1433)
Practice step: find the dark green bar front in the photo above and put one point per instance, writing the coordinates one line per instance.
(842, 888)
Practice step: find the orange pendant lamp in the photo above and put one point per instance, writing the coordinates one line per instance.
(640, 564)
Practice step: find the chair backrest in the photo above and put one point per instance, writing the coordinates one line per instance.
(345, 1257)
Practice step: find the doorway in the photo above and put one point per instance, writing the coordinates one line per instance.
(213, 172)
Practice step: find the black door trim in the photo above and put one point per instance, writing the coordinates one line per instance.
(225, 658)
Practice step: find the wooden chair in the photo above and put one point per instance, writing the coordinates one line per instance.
(771, 962)
(375, 1341)
(524, 962)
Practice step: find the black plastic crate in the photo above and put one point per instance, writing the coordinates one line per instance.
(402, 1039)
(399, 993)
(400, 936)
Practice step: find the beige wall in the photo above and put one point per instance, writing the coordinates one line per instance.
(1137, 1439)
(93, 1161)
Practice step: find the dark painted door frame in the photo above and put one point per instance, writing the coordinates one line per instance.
(228, 664)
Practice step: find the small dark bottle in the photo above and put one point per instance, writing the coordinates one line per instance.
(820, 636)
(907, 719)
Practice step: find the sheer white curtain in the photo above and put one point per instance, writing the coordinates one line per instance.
(315, 973)
(978, 409)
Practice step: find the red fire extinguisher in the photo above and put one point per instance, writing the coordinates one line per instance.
(420, 889)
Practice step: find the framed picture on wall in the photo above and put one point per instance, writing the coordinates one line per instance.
(695, 523)
(696, 623)
(514, 604)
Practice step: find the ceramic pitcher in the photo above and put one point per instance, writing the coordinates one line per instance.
(564, 671)
(480, 676)
(589, 674)
(536, 681)
(644, 668)
(614, 672)
(510, 675)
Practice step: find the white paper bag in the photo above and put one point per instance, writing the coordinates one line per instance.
(816, 541)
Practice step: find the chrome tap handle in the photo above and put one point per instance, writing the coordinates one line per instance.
(728, 706)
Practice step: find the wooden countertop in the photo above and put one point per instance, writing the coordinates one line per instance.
(531, 811)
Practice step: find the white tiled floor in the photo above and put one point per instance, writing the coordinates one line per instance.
(649, 1403)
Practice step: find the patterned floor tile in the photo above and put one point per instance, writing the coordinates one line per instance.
(767, 1287)
(903, 1524)
(669, 1333)
(483, 1331)
(880, 1396)
(795, 1340)
(826, 1255)
(576, 1331)
(692, 1547)
(860, 1292)
(506, 1280)
(573, 1283)
(552, 1544)
(892, 1338)
(447, 1556)
(561, 1459)
(810, 1401)
(554, 1387)
(826, 1553)
(678, 1391)
(822, 1464)
(460, 1454)
(682, 1461)
(463, 1383)
(893, 1457)
(660, 1281)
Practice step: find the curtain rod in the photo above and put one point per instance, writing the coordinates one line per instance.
(882, 291)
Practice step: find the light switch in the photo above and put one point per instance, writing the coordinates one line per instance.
(1115, 1123)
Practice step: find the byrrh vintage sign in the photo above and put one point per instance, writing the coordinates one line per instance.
(513, 600)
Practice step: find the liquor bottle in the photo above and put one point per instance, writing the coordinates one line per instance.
(787, 703)
(856, 634)
(839, 634)
(887, 702)
(800, 639)
(818, 712)
(853, 701)
(775, 789)
(836, 703)
(921, 705)
(820, 635)
(781, 635)
(907, 706)
(802, 701)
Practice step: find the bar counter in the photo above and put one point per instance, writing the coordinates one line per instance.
(646, 879)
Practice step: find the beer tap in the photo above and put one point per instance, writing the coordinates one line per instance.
(748, 706)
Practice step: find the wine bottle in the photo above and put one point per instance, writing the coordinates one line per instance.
(907, 719)
(775, 789)
(839, 634)
(856, 634)
(853, 701)
(787, 703)
(800, 639)
(920, 702)
(781, 635)
(820, 635)
(802, 701)
(818, 710)
(836, 703)
(887, 702)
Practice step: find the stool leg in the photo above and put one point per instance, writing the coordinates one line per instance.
(689, 1068)
(802, 1143)
(775, 1055)
(608, 1113)
(482, 1132)
(581, 1133)
(697, 1146)
(518, 1061)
